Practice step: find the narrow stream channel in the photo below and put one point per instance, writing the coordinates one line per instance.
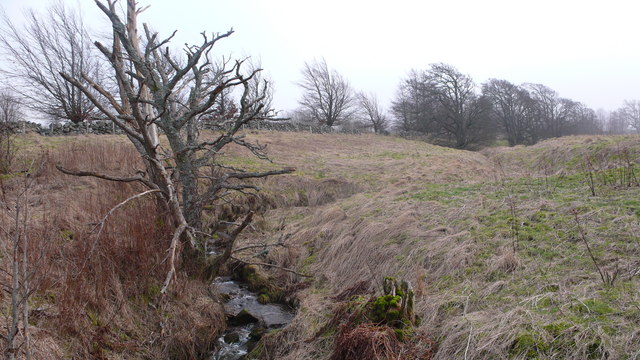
(248, 318)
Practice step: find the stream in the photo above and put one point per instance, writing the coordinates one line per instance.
(248, 319)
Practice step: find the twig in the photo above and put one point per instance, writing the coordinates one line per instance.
(583, 237)
(271, 265)
(249, 247)
(104, 220)
(466, 350)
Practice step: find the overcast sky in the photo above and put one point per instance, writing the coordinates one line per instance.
(588, 51)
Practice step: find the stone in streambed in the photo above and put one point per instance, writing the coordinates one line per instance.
(243, 318)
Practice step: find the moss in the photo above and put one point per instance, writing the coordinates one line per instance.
(263, 298)
(402, 334)
(308, 261)
(95, 319)
(529, 345)
(386, 309)
(556, 329)
(593, 306)
(260, 284)
(151, 293)
(443, 193)
(594, 350)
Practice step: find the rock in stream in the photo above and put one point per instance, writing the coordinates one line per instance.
(248, 319)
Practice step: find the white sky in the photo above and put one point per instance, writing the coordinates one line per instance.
(588, 51)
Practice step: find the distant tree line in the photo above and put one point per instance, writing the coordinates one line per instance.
(439, 102)
(448, 107)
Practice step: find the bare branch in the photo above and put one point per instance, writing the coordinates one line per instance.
(271, 265)
(138, 177)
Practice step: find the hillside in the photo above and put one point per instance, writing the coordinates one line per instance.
(496, 245)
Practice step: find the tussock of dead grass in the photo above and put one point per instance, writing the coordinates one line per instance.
(366, 342)
(507, 261)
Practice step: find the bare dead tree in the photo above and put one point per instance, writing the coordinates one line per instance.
(37, 53)
(327, 96)
(372, 111)
(174, 98)
(630, 111)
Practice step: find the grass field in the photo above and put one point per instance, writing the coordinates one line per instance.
(510, 253)
(495, 243)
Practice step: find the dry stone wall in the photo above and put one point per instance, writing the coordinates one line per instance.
(100, 127)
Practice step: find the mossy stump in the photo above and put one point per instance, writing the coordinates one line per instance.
(397, 302)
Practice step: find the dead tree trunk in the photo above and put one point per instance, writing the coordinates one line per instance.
(159, 90)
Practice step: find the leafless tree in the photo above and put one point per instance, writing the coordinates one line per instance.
(372, 111)
(173, 98)
(512, 107)
(631, 112)
(413, 108)
(326, 94)
(603, 117)
(617, 123)
(36, 53)
(261, 86)
(301, 116)
(584, 120)
(552, 111)
(10, 114)
(462, 114)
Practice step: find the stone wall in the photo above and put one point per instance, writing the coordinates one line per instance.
(100, 127)
(294, 127)
(56, 129)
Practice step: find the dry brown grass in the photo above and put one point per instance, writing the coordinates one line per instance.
(97, 296)
(366, 342)
(364, 207)
(440, 219)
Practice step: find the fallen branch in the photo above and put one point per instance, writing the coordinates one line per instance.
(271, 265)
(258, 246)
(172, 257)
(228, 250)
(104, 220)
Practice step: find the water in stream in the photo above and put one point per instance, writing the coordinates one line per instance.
(269, 316)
